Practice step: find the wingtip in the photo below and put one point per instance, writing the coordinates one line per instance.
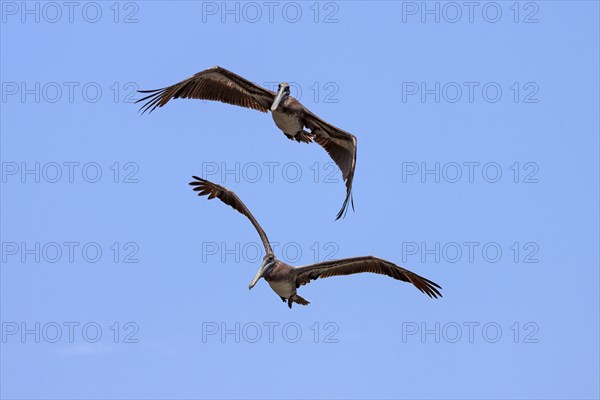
(144, 109)
(435, 293)
(344, 210)
(195, 182)
(153, 100)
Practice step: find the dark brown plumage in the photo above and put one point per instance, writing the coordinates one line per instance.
(356, 265)
(204, 187)
(285, 279)
(220, 84)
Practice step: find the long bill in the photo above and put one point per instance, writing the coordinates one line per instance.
(278, 99)
(259, 274)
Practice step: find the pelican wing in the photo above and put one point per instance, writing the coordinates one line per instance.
(341, 147)
(204, 187)
(356, 265)
(215, 83)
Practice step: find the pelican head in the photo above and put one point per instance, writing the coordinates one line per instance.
(266, 266)
(282, 93)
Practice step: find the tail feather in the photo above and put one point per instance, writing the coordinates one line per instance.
(301, 137)
(297, 299)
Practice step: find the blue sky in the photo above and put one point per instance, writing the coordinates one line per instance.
(477, 168)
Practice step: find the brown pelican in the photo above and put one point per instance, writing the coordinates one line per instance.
(289, 114)
(285, 279)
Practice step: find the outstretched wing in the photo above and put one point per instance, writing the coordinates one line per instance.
(215, 83)
(204, 187)
(356, 265)
(341, 147)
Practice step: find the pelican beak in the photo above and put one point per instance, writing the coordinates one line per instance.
(278, 98)
(259, 274)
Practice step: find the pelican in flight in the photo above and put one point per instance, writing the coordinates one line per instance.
(289, 114)
(285, 279)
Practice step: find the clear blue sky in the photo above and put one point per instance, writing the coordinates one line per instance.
(440, 108)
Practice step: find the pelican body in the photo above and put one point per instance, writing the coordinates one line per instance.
(285, 279)
(290, 116)
(281, 279)
(287, 112)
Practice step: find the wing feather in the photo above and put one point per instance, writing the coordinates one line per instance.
(216, 83)
(204, 187)
(356, 265)
(341, 147)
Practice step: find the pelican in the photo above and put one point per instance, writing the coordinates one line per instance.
(289, 114)
(285, 279)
